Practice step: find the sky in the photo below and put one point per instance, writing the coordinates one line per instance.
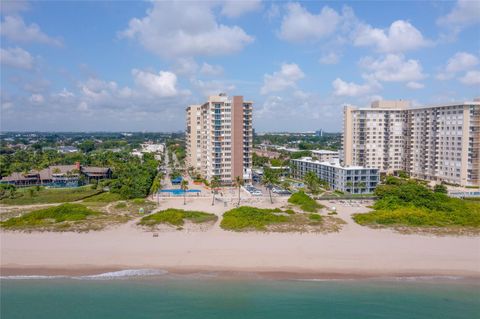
(135, 66)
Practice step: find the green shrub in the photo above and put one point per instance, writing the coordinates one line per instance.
(289, 211)
(56, 214)
(315, 217)
(176, 217)
(305, 202)
(246, 217)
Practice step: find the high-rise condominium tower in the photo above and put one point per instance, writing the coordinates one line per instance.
(440, 143)
(219, 138)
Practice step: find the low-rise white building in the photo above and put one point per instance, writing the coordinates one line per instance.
(351, 179)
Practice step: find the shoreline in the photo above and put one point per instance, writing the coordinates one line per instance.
(237, 273)
(355, 252)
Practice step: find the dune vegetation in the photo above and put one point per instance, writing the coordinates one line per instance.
(409, 203)
(246, 218)
(177, 217)
(67, 212)
(305, 202)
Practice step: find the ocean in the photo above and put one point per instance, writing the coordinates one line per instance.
(153, 294)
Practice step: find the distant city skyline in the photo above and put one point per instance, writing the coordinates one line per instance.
(135, 66)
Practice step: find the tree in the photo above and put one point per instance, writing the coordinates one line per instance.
(349, 185)
(312, 181)
(87, 146)
(269, 179)
(214, 184)
(156, 185)
(440, 188)
(239, 183)
(361, 186)
(184, 187)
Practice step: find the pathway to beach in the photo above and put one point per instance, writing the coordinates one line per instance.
(355, 250)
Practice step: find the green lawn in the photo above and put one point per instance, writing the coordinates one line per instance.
(25, 196)
(305, 202)
(105, 197)
(176, 217)
(48, 216)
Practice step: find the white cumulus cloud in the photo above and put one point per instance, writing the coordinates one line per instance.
(300, 25)
(15, 29)
(162, 84)
(471, 78)
(401, 36)
(464, 13)
(185, 29)
(392, 68)
(343, 88)
(17, 58)
(287, 77)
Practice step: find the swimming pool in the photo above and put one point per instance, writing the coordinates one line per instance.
(179, 191)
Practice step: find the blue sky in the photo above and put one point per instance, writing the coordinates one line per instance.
(135, 66)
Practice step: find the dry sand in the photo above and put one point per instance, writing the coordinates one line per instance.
(354, 251)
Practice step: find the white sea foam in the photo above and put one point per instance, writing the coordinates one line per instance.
(126, 273)
(427, 278)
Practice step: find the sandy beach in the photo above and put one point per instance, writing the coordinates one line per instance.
(354, 251)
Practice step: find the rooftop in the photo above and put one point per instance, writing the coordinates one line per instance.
(333, 163)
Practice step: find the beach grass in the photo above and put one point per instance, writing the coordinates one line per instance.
(177, 217)
(67, 212)
(305, 202)
(32, 196)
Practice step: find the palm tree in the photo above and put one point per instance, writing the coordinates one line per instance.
(269, 179)
(350, 185)
(184, 187)
(214, 184)
(156, 184)
(239, 183)
(311, 180)
(361, 186)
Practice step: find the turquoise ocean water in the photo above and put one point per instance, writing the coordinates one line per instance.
(165, 296)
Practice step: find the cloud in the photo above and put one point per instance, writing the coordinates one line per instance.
(211, 70)
(401, 36)
(299, 25)
(471, 78)
(342, 88)
(415, 85)
(9, 7)
(37, 98)
(464, 13)
(236, 8)
(460, 61)
(17, 58)
(392, 68)
(330, 58)
(287, 77)
(15, 29)
(162, 84)
(185, 29)
(213, 87)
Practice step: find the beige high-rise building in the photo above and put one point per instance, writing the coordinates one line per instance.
(219, 138)
(439, 143)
